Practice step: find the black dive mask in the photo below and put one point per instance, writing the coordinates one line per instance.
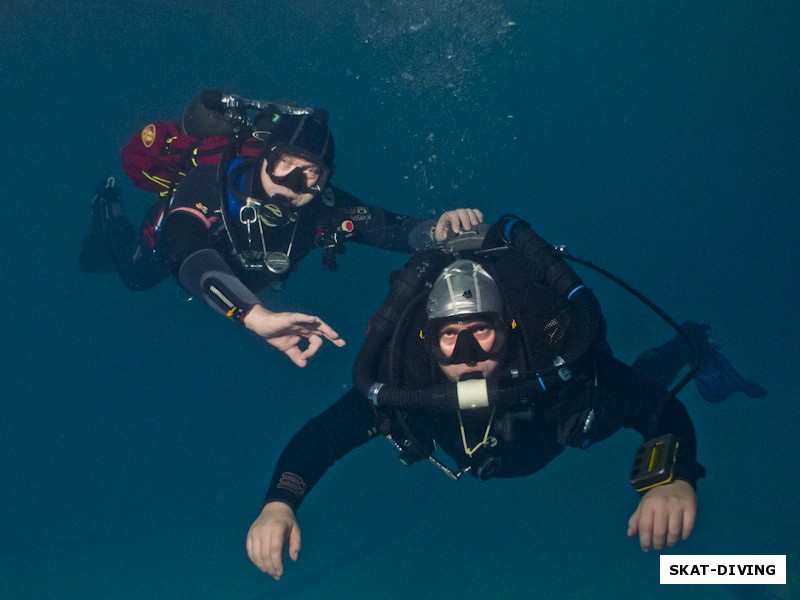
(467, 349)
(297, 179)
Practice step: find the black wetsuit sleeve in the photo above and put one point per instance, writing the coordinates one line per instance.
(187, 227)
(188, 248)
(647, 407)
(182, 236)
(378, 227)
(323, 440)
(662, 364)
(674, 419)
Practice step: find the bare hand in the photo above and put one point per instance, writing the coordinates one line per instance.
(665, 515)
(284, 331)
(273, 527)
(456, 221)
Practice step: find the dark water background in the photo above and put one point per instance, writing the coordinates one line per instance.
(138, 431)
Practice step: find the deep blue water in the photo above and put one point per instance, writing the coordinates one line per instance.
(138, 431)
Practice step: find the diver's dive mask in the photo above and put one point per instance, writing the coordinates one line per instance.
(301, 180)
(468, 331)
(465, 294)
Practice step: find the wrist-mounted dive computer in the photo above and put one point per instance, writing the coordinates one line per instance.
(654, 463)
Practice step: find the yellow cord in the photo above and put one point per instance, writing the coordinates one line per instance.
(485, 439)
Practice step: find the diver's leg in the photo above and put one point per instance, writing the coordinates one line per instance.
(113, 245)
(716, 378)
(139, 267)
(96, 255)
(662, 364)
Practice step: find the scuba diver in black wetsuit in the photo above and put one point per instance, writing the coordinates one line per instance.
(501, 361)
(234, 228)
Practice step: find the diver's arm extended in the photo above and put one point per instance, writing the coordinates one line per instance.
(344, 426)
(650, 410)
(666, 513)
(674, 419)
(382, 228)
(202, 271)
(653, 420)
